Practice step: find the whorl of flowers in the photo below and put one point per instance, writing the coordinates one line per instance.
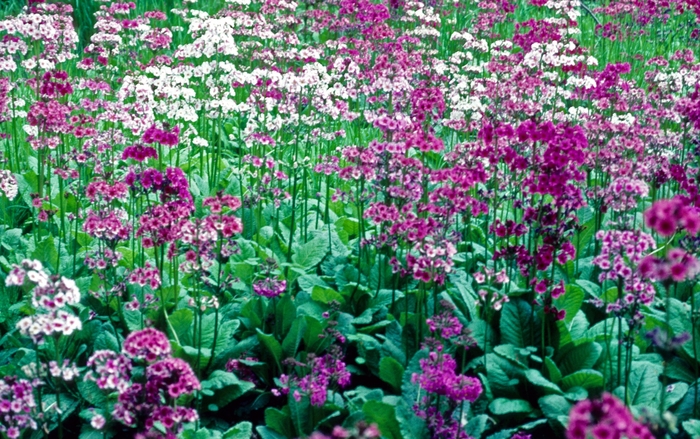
(678, 265)
(18, 409)
(667, 216)
(439, 376)
(8, 184)
(145, 400)
(51, 297)
(624, 193)
(322, 372)
(148, 344)
(606, 417)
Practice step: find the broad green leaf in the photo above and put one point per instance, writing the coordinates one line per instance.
(291, 342)
(477, 425)
(391, 372)
(583, 356)
(570, 301)
(300, 412)
(92, 393)
(518, 327)
(273, 347)
(268, 433)
(554, 406)
(326, 295)
(689, 407)
(552, 369)
(279, 422)
(384, 415)
(310, 254)
(181, 321)
(535, 377)
(506, 406)
(222, 387)
(692, 428)
(587, 379)
(242, 430)
(644, 386)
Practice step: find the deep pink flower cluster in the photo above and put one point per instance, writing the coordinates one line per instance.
(18, 408)
(146, 400)
(148, 344)
(667, 216)
(55, 84)
(624, 193)
(139, 152)
(604, 418)
(166, 136)
(99, 189)
(110, 370)
(439, 377)
(677, 266)
(147, 275)
(109, 225)
(269, 287)
(322, 372)
(360, 431)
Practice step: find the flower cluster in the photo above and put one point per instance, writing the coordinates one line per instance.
(18, 408)
(439, 377)
(321, 372)
(606, 417)
(51, 298)
(668, 216)
(8, 184)
(150, 399)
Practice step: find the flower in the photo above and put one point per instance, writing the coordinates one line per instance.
(604, 418)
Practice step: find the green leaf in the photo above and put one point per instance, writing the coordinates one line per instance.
(273, 347)
(644, 385)
(242, 430)
(689, 407)
(291, 342)
(285, 313)
(552, 369)
(326, 295)
(181, 322)
(585, 235)
(675, 395)
(591, 288)
(311, 253)
(87, 432)
(92, 393)
(587, 379)
(535, 377)
(267, 433)
(384, 415)
(201, 433)
(570, 301)
(506, 406)
(411, 425)
(278, 421)
(46, 252)
(517, 324)
(554, 406)
(477, 425)
(692, 427)
(583, 356)
(225, 387)
(391, 372)
(301, 414)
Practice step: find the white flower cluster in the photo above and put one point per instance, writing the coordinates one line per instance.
(8, 184)
(51, 296)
